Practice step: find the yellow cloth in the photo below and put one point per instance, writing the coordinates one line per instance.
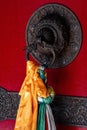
(32, 87)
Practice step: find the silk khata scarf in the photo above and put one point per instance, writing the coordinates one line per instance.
(35, 99)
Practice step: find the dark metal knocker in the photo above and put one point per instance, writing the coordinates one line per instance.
(53, 35)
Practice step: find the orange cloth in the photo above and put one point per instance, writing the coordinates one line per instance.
(32, 87)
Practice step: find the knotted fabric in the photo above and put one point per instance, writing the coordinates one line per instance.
(32, 88)
(44, 109)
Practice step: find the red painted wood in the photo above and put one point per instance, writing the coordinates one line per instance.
(70, 80)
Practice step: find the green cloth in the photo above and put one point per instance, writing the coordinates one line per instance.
(42, 111)
(41, 116)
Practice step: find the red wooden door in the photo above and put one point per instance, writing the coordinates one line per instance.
(70, 80)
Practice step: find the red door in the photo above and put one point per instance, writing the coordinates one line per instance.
(70, 80)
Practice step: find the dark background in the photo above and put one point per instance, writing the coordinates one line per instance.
(70, 80)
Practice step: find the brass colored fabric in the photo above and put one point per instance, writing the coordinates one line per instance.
(32, 87)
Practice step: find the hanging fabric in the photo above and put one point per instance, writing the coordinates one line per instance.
(31, 111)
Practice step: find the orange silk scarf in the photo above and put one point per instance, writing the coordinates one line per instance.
(32, 87)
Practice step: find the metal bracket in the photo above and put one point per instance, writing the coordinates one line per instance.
(67, 110)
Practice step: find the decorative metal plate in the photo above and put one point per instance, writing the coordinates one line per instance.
(55, 32)
(67, 110)
(9, 102)
(70, 110)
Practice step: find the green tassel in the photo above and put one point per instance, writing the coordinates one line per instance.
(48, 100)
(41, 116)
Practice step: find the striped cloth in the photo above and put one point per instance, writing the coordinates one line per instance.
(45, 109)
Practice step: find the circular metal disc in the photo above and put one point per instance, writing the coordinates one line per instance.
(71, 49)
